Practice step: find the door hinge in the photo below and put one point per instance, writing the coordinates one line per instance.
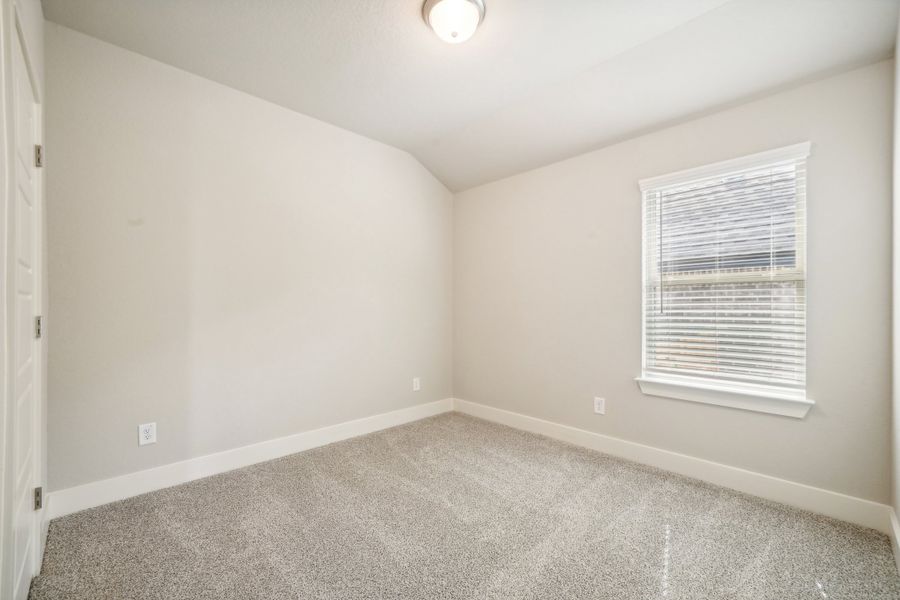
(38, 155)
(38, 327)
(38, 498)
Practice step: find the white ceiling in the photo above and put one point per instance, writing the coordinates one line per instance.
(540, 81)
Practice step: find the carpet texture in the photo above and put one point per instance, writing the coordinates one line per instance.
(454, 507)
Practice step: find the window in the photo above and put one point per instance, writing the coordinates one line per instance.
(724, 301)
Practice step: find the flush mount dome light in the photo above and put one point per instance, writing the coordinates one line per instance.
(454, 21)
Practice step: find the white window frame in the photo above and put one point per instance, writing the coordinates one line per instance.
(759, 398)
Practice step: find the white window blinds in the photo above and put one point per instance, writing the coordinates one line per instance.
(725, 273)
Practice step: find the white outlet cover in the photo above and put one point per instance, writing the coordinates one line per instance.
(146, 434)
(417, 384)
(600, 406)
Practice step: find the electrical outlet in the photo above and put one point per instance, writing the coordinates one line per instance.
(146, 434)
(600, 406)
(417, 384)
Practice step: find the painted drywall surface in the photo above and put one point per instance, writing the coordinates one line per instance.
(225, 267)
(547, 288)
(895, 367)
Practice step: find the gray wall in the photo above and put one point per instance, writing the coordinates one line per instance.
(895, 430)
(237, 272)
(227, 268)
(547, 287)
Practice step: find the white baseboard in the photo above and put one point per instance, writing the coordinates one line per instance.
(832, 504)
(895, 538)
(89, 495)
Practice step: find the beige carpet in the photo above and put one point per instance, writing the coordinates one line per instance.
(454, 507)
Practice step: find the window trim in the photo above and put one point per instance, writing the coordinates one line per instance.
(745, 396)
(725, 167)
(776, 401)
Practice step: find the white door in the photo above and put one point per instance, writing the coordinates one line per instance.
(24, 351)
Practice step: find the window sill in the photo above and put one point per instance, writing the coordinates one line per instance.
(767, 400)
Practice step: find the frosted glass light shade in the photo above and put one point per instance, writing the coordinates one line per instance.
(454, 21)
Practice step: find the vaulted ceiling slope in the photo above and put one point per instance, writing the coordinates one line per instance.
(540, 81)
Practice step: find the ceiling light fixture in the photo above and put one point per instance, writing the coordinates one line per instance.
(454, 21)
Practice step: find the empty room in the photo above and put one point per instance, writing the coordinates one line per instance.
(449, 299)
